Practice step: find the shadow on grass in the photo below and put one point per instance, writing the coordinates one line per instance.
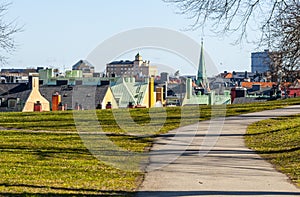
(44, 151)
(279, 151)
(51, 127)
(268, 132)
(72, 191)
(262, 133)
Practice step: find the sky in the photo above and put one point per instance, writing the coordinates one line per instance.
(58, 33)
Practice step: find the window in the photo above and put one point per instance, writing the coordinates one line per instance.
(12, 103)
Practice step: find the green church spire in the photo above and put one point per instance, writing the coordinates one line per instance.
(201, 76)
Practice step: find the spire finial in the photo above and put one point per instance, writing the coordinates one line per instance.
(201, 76)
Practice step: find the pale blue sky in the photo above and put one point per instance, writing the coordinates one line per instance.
(61, 32)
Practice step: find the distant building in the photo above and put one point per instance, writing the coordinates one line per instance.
(16, 75)
(79, 97)
(17, 72)
(87, 68)
(260, 62)
(294, 89)
(23, 97)
(71, 78)
(202, 80)
(164, 77)
(137, 68)
(48, 76)
(197, 98)
(139, 94)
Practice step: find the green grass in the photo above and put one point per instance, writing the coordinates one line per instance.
(53, 160)
(64, 121)
(278, 141)
(47, 163)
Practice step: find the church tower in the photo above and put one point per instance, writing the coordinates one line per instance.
(201, 76)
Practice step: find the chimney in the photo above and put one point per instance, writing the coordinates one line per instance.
(160, 94)
(246, 75)
(188, 88)
(56, 100)
(151, 93)
(33, 81)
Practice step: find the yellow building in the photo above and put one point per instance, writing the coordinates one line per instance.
(35, 98)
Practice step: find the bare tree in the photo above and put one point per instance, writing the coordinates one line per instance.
(277, 21)
(229, 15)
(284, 38)
(7, 31)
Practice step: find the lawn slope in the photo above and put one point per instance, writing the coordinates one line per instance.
(43, 153)
(278, 141)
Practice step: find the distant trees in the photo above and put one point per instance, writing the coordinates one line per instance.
(7, 31)
(278, 21)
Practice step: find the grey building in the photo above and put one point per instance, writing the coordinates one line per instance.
(164, 77)
(260, 62)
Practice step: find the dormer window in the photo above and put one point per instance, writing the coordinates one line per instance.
(12, 103)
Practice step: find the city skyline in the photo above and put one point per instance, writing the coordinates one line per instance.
(59, 34)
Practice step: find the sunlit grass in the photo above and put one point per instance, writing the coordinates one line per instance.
(64, 121)
(46, 163)
(42, 153)
(278, 141)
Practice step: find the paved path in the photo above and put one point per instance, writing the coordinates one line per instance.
(229, 169)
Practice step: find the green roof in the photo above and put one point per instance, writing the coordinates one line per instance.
(127, 90)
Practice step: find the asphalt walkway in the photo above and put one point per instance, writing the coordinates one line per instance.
(189, 163)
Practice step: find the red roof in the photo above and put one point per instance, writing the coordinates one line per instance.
(262, 84)
(228, 76)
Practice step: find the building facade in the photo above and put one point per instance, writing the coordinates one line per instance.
(16, 75)
(137, 68)
(260, 62)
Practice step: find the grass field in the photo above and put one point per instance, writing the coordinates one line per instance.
(47, 163)
(64, 121)
(42, 153)
(278, 141)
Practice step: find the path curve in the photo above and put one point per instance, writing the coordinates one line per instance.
(229, 169)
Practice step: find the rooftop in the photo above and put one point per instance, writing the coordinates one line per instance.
(122, 62)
